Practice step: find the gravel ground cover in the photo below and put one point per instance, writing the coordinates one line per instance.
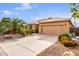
(9, 37)
(58, 49)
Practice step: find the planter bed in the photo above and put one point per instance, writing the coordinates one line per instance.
(58, 49)
(9, 37)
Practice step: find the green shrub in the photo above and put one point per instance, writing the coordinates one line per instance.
(33, 31)
(66, 40)
(23, 31)
(69, 35)
(68, 43)
(65, 36)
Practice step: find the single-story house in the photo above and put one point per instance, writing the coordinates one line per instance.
(35, 27)
(53, 26)
(75, 30)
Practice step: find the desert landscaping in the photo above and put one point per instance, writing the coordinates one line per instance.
(49, 36)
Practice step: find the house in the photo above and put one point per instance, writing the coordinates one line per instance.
(35, 27)
(75, 30)
(54, 26)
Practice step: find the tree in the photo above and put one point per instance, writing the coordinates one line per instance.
(19, 26)
(13, 26)
(5, 24)
(75, 13)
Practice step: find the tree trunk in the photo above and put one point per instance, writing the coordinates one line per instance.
(74, 29)
(74, 26)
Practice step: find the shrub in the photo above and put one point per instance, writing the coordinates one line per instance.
(33, 31)
(23, 31)
(66, 40)
(68, 43)
(64, 36)
(69, 35)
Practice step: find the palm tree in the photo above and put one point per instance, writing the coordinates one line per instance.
(13, 26)
(5, 24)
(24, 29)
(75, 13)
(17, 24)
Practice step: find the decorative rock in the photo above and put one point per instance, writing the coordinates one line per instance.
(68, 54)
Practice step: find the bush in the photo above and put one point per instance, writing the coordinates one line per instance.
(33, 31)
(69, 35)
(68, 43)
(23, 31)
(64, 36)
(66, 40)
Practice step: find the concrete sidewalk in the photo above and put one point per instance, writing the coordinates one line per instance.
(27, 46)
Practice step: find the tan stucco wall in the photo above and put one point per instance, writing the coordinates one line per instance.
(66, 26)
(35, 26)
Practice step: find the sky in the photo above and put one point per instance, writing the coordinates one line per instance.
(31, 12)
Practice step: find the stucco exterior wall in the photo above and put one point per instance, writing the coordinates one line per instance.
(65, 25)
(35, 27)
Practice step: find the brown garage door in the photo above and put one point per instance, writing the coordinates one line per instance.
(52, 30)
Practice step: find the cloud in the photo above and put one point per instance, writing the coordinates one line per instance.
(6, 12)
(24, 6)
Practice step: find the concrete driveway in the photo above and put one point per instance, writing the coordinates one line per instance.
(27, 46)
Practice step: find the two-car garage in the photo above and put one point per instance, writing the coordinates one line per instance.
(52, 30)
(55, 26)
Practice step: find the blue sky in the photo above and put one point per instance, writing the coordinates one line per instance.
(30, 12)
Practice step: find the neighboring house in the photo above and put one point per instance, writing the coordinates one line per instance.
(76, 31)
(35, 27)
(54, 26)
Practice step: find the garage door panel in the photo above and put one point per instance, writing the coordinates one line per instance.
(52, 30)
